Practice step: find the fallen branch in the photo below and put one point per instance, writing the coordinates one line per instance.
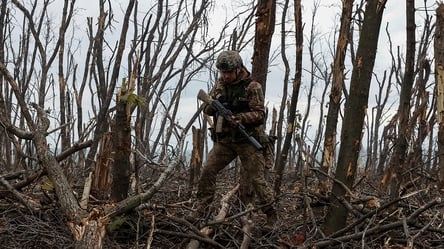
(150, 238)
(378, 228)
(19, 196)
(247, 226)
(194, 244)
(370, 214)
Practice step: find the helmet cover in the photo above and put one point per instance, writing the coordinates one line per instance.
(228, 60)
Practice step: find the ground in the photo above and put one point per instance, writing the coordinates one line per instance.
(414, 222)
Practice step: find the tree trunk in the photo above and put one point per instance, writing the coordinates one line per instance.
(328, 154)
(280, 122)
(93, 235)
(121, 137)
(196, 155)
(355, 110)
(439, 79)
(266, 15)
(398, 162)
(291, 124)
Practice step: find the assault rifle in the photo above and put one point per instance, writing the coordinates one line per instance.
(224, 112)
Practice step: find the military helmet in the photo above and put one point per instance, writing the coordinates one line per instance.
(228, 60)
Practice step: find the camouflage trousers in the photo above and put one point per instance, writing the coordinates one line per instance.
(252, 182)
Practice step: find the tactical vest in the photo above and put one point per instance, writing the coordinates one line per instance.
(234, 98)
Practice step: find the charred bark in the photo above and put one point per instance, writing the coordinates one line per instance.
(355, 110)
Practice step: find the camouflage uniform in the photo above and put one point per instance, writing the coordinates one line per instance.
(245, 99)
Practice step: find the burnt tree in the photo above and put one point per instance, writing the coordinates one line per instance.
(355, 110)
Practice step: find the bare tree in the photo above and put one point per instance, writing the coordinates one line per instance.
(281, 116)
(355, 109)
(328, 154)
(398, 160)
(291, 121)
(64, 88)
(375, 144)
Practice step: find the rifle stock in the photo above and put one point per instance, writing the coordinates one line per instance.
(203, 96)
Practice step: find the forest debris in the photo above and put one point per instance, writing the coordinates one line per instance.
(28, 202)
(150, 238)
(247, 226)
(378, 228)
(86, 191)
(194, 244)
(424, 228)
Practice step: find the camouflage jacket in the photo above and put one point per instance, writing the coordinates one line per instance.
(245, 99)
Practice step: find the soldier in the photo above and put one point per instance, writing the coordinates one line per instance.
(244, 97)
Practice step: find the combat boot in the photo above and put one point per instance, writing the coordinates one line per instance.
(197, 212)
(271, 220)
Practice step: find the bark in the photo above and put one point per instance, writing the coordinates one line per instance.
(441, 153)
(67, 200)
(196, 155)
(102, 167)
(121, 139)
(439, 79)
(86, 191)
(328, 154)
(354, 113)
(266, 15)
(92, 235)
(291, 123)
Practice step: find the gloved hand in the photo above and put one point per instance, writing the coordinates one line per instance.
(210, 110)
(236, 119)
